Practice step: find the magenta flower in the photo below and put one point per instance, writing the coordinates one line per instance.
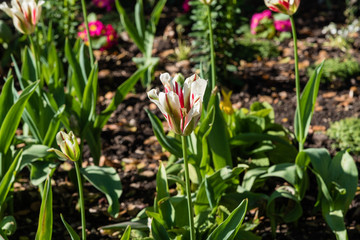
(107, 4)
(282, 25)
(257, 17)
(111, 37)
(96, 28)
(186, 6)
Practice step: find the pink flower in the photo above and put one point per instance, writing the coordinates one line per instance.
(108, 4)
(96, 28)
(283, 25)
(257, 17)
(186, 6)
(111, 37)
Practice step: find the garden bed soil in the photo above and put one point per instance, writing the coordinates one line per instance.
(129, 146)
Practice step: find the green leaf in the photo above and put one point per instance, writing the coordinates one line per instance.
(335, 220)
(106, 180)
(170, 144)
(278, 210)
(229, 228)
(120, 95)
(130, 28)
(219, 141)
(139, 18)
(45, 224)
(155, 15)
(285, 171)
(13, 117)
(123, 225)
(9, 178)
(307, 104)
(127, 233)
(158, 231)
(88, 104)
(77, 78)
(71, 231)
(28, 69)
(6, 98)
(162, 191)
(53, 127)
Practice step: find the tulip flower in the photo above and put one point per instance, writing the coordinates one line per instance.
(69, 147)
(206, 2)
(226, 105)
(25, 14)
(181, 103)
(288, 7)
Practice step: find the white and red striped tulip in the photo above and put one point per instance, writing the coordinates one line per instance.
(181, 103)
(25, 14)
(288, 7)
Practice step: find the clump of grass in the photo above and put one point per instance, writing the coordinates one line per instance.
(346, 134)
(336, 68)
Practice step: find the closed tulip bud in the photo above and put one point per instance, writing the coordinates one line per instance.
(69, 147)
(24, 13)
(181, 103)
(207, 2)
(288, 7)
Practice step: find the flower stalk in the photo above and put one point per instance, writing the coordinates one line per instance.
(297, 84)
(212, 48)
(83, 5)
(188, 189)
(81, 200)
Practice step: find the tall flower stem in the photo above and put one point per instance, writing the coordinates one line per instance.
(35, 50)
(82, 204)
(188, 190)
(297, 84)
(212, 49)
(83, 5)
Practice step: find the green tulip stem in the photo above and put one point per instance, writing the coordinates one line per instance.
(35, 49)
(212, 49)
(297, 84)
(188, 190)
(83, 5)
(82, 203)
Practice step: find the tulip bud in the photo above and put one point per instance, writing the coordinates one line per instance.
(206, 2)
(25, 14)
(69, 147)
(181, 103)
(288, 7)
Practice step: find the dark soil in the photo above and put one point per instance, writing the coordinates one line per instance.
(129, 146)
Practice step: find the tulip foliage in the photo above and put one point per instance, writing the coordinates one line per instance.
(222, 159)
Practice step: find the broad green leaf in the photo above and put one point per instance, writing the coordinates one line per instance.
(279, 210)
(170, 144)
(8, 225)
(158, 231)
(32, 153)
(155, 15)
(229, 228)
(9, 178)
(40, 170)
(129, 26)
(127, 234)
(13, 117)
(88, 104)
(120, 95)
(123, 225)
(71, 231)
(139, 18)
(45, 225)
(335, 220)
(285, 171)
(307, 104)
(77, 79)
(219, 182)
(162, 191)
(28, 69)
(204, 131)
(53, 127)
(92, 137)
(6, 98)
(106, 180)
(219, 141)
(251, 176)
